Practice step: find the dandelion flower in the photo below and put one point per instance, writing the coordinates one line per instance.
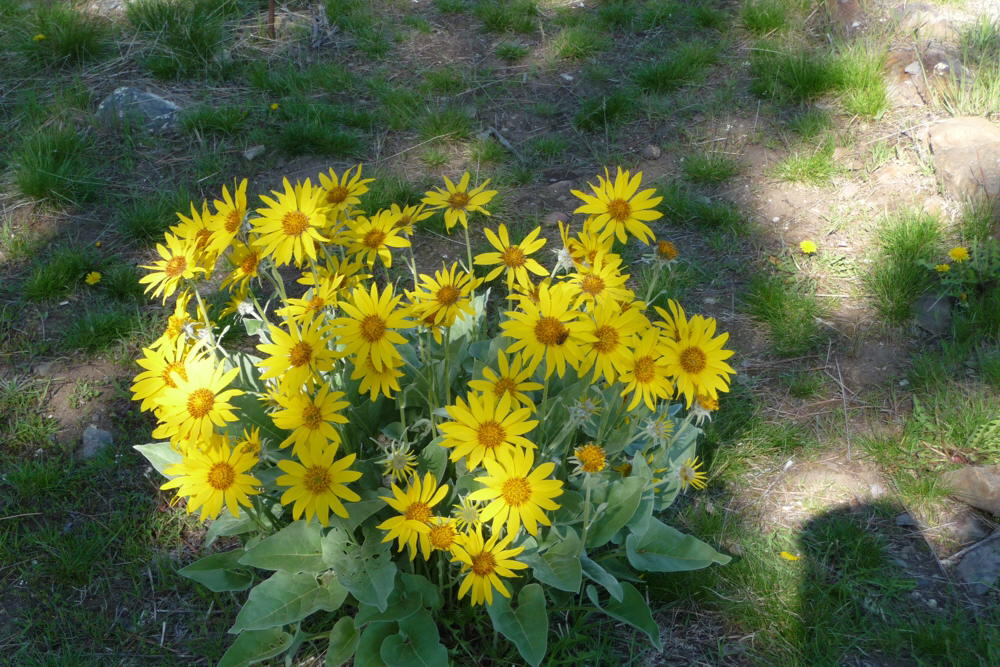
(92, 278)
(617, 205)
(317, 483)
(484, 427)
(959, 254)
(214, 477)
(512, 258)
(274, 106)
(178, 261)
(311, 419)
(513, 379)
(789, 556)
(485, 562)
(690, 475)
(458, 200)
(414, 506)
(368, 328)
(289, 226)
(38, 37)
(808, 247)
(590, 459)
(943, 268)
(517, 494)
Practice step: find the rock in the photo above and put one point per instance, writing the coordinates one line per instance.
(904, 520)
(981, 567)
(151, 111)
(962, 132)
(95, 440)
(253, 152)
(933, 313)
(846, 15)
(914, 74)
(970, 172)
(978, 486)
(44, 369)
(554, 218)
(876, 490)
(651, 152)
(924, 21)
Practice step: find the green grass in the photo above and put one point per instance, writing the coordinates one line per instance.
(794, 76)
(761, 17)
(450, 123)
(100, 326)
(511, 52)
(710, 168)
(682, 64)
(790, 310)
(60, 273)
(25, 424)
(803, 384)
(221, 120)
(70, 36)
(861, 84)
(810, 123)
(446, 80)
(603, 112)
(56, 163)
(815, 166)
(896, 277)
(121, 282)
(310, 128)
(978, 220)
(372, 31)
(617, 13)
(184, 38)
(145, 216)
(980, 41)
(548, 147)
(579, 42)
(507, 15)
(684, 205)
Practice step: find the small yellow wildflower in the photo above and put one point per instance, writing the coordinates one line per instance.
(789, 556)
(97, 244)
(92, 278)
(690, 474)
(666, 251)
(39, 37)
(275, 106)
(808, 247)
(959, 254)
(589, 458)
(943, 268)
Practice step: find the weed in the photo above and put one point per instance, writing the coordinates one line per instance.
(683, 205)
(319, 129)
(373, 35)
(906, 241)
(810, 123)
(761, 17)
(488, 151)
(449, 122)
(710, 167)
(445, 80)
(389, 188)
(617, 13)
(507, 15)
(186, 37)
(860, 81)
(146, 216)
(224, 120)
(980, 41)
(815, 166)
(804, 384)
(682, 64)
(791, 76)
(977, 221)
(22, 402)
(790, 310)
(56, 164)
(121, 281)
(511, 52)
(69, 36)
(57, 275)
(603, 111)
(548, 147)
(434, 157)
(101, 325)
(881, 152)
(578, 42)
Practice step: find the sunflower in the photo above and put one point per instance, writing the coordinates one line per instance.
(414, 507)
(198, 230)
(517, 494)
(484, 427)
(176, 322)
(198, 403)
(214, 477)
(645, 374)
(697, 360)
(163, 366)
(601, 281)
(179, 261)
(245, 260)
(228, 219)
(617, 206)
(371, 238)
(378, 381)
(690, 475)
(316, 483)
(342, 193)
(311, 419)
(549, 330)
(403, 218)
(669, 320)
(590, 459)
(369, 329)
(298, 355)
(324, 295)
(592, 242)
(512, 258)
(441, 299)
(458, 201)
(485, 562)
(289, 227)
(399, 462)
(513, 379)
(614, 331)
(443, 536)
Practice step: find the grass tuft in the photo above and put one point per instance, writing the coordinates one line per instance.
(507, 15)
(146, 216)
(59, 274)
(224, 120)
(511, 52)
(578, 42)
(682, 64)
(186, 37)
(100, 326)
(70, 36)
(761, 17)
(603, 111)
(792, 76)
(815, 166)
(683, 205)
(790, 310)
(710, 168)
(56, 164)
(449, 122)
(897, 277)
(861, 84)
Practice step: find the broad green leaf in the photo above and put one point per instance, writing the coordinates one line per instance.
(255, 646)
(417, 643)
(527, 627)
(160, 455)
(227, 525)
(252, 326)
(252, 413)
(632, 610)
(368, 653)
(357, 512)
(434, 458)
(416, 584)
(570, 508)
(400, 606)
(294, 548)
(663, 548)
(219, 572)
(639, 522)
(287, 598)
(598, 574)
(344, 640)
(559, 565)
(623, 500)
(367, 571)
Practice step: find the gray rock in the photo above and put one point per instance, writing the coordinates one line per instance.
(924, 21)
(95, 440)
(933, 314)
(904, 520)
(253, 152)
(978, 486)
(44, 369)
(152, 112)
(554, 218)
(962, 132)
(980, 568)
(652, 152)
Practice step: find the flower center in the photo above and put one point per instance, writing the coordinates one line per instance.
(372, 328)
(645, 369)
(175, 266)
(442, 536)
(316, 480)
(373, 239)
(294, 223)
(619, 210)
(233, 221)
(404, 221)
(201, 238)
(708, 403)
(515, 491)
(173, 367)
(491, 434)
(666, 250)
(447, 295)
(418, 512)
(693, 360)
(607, 339)
(484, 563)
(337, 194)
(505, 385)
(249, 264)
(315, 304)
(458, 200)
(592, 284)
(550, 331)
(200, 402)
(300, 354)
(312, 417)
(221, 476)
(513, 257)
(175, 325)
(591, 458)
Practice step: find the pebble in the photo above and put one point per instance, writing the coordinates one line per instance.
(95, 440)
(651, 152)
(904, 520)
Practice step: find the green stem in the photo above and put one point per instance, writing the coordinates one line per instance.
(468, 248)
(447, 365)
(681, 429)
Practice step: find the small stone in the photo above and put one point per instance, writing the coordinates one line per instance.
(152, 112)
(43, 369)
(651, 152)
(554, 218)
(980, 568)
(95, 441)
(978, 486)
(567, 77)
(253, 152)
(904, 520)
(933, 314)
(876, 490)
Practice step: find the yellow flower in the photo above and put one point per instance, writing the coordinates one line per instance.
(808, 247)
(198, 403)
(943, 268)
(601, 282)
(311, 419)
(485, 562)
(513, 380)
(372, 238)
(97, 244)
(484, 427)
(250, 442)
(789, 556)
(399, 462)
(458, 201)
(646, 373)
(666, 251)
(245, 261)
(317, 484)
(298, 355)
(517, 494)
(613, 331)
(324, 295)
(368, 328)
(589, 458)
(959, 254)
(341, 193)
(214, 477)
(178, 262)
(669, 321)
(690, 475)
(274, 106)
(404, 218)
(441, 299)
(592, 242)
(617, 205)
(443, 536)
(176, 322)
(92, 278)
(696, 360)
(414, 507)
(163, 367)
(512, 258)
(289, 227)
(376, 381)
(550, 329)
(39, 37)
(198, 230)
(228, 218)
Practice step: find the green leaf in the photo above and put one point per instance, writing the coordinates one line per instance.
(252, 413)
(632, 610)
(287, 598)
(417, 643)
(368, 653)
(416, 584)
(527, 627)
(294, 548)
(254, 646)
(252, 326)
(160, 455)
(663, 548)
(570, 508)
(219, 572)
(434, 458)
(623, 500)
(366, 571)
(559, 565)
(598, 574)
(344, 639)
(227, 525)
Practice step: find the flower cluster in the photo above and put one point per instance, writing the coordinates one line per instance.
(969, 271)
